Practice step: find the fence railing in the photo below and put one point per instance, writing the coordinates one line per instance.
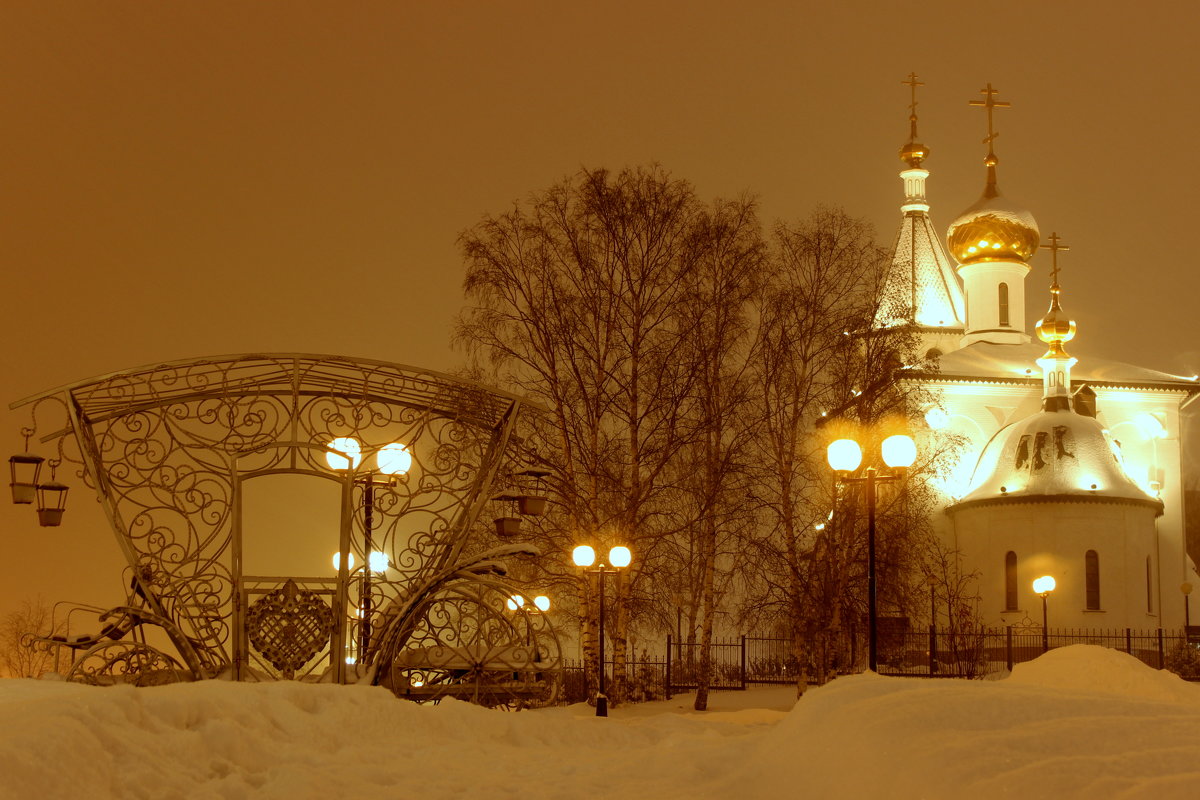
(985, 651)
(748, 660)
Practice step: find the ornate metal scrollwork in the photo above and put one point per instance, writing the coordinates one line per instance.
(289, 627)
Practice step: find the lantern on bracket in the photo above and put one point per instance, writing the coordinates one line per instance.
(24, 469)
(509, 525)
(532, 500)
(52, 499)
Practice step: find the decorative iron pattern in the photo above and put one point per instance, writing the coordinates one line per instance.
(466, 642)
(289, 627)
(126, 662)
(168, 445)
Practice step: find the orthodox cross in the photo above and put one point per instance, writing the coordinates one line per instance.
(914, 83)
(1054, 247)
(990, 102)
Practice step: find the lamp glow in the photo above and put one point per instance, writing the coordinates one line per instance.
(936, 418)
(542, 602)
(515, 602)
(394, 459)
(583, 556)
(377, 561)
(899, 451)
(337, 561)
(1044, 585)
(619, 556)
(343, 453)
(844, 455)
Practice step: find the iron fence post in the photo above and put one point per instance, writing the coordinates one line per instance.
(1161, 659)
(933, 668)
(744, 657)
(1128, 642)
(667, 688)
(1008, 650)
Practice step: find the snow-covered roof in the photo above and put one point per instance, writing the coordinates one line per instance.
(921, 285)
(1057, 455)
(1018, 362)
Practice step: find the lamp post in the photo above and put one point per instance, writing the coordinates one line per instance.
(618, 557)
(1186, 588)
(933, 661)
(845, 456)
(391, 460)
(1044, 586)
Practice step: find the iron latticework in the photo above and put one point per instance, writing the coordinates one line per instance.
(171, 447)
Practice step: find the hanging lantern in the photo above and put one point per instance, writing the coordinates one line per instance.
(24, 469)
(533, 501)
(52, 502)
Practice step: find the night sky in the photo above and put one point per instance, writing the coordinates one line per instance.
(184, 179)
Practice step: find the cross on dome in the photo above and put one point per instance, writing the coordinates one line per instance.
(1054, 247)
(989, 103)
(913, 152)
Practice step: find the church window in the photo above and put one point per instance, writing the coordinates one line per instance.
(1004, 304)
(1010, 581)
(1091, 564)
(1149, 588)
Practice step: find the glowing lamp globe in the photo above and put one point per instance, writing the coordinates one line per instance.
(377, 561)
(343, 453)
(394, 459)
(542, 602)
(1044, 585)
(619, 556)
(515, 602)
(583, 556)
(899, 451)
(337, 561)
(844, 455)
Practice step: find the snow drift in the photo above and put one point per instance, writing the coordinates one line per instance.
(1078, 722)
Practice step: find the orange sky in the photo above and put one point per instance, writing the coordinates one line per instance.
(185, 179)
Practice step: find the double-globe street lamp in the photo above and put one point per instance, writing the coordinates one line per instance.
(618, 558)
(845, 456)
(391, 461)
(1044, 586)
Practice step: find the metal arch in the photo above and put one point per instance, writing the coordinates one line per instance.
(167, 447)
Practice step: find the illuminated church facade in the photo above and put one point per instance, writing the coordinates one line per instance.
(1068, 468)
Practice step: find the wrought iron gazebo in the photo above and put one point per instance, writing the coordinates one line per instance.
(419, 601)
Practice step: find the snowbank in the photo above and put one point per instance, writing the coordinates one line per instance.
(1079, 722)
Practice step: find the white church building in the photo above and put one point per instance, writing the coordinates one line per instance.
(1069, 468)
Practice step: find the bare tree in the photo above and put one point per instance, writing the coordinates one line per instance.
(575, 300)
(816, 359)
(18, 655)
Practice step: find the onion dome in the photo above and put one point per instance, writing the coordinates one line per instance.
(993, 230)
(1054, 455)
(1056, 328)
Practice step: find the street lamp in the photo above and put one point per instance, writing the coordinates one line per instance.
(845, 456)
(618, 558)
(1186, 588)
(391, 460)
(1044, 586)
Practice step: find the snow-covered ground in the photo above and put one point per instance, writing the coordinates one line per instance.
(1078, 722)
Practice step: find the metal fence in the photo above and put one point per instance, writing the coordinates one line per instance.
(748, 660)
(987, 651)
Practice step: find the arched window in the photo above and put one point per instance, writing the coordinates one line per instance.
(1149, 588)
(1003, 297)
(1091, 572)
(1010, 581)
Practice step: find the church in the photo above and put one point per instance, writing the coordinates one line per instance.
(1068, 468)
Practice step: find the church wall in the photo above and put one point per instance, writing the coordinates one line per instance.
(1053, 539)
(977, 410)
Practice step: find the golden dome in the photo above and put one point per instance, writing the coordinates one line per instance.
(993, 230)
(1056, 328)
(914, 153)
